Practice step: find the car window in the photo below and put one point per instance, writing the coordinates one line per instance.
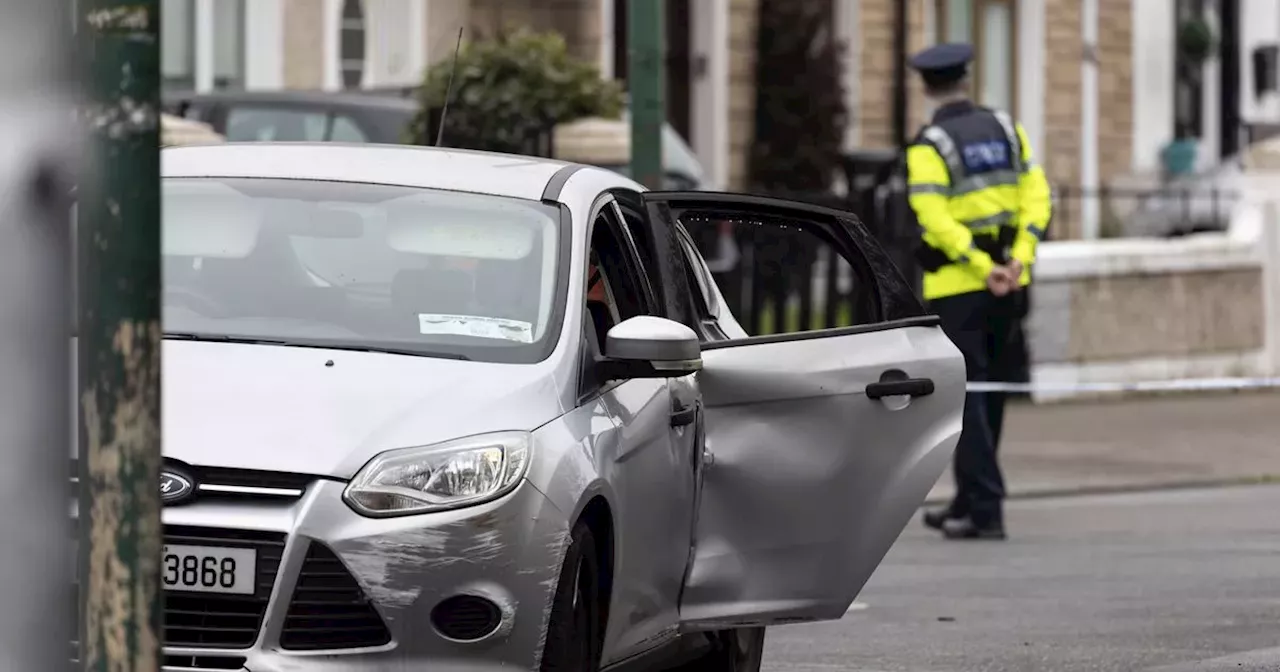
(782, 277)
(275, 124)
(362, 266)
(700, 282)
(614, 291)
(346, 130)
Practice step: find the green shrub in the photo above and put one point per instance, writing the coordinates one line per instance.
(1196, 40)
(510, 88)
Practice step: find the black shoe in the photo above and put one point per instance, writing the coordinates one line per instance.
(935, 520)
(964, 528)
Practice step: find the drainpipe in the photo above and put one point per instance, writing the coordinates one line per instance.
(1091, 205)
(900, 110)
(1229, 82)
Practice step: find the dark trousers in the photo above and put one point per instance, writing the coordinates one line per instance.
(981, 325)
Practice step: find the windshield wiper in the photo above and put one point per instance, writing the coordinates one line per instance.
(324, 345)
(219, 338)
(385, 350)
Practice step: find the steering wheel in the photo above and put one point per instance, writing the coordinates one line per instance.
(195, 301)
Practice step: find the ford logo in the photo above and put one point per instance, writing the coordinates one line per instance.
(175, 487)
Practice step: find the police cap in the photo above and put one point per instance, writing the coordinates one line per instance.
(943, 64)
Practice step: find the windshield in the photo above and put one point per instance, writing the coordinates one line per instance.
(361, 266)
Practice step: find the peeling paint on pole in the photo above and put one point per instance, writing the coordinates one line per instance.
(120, 337)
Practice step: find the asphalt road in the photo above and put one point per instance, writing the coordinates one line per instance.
(1109, 583)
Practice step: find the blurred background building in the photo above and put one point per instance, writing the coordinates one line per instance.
(1103, 86)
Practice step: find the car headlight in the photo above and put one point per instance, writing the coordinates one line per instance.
(442, 476)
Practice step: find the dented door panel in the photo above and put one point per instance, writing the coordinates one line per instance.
(648, 468)
(809, 481)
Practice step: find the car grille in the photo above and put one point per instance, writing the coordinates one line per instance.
(224, 483)
(221, 621)
(203, 663)
(329, 609)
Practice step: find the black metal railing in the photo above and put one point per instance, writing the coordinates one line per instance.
(1175, 209)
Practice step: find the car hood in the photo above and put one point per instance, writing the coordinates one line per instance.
(327, 412)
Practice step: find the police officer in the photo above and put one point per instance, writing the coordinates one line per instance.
(982, 205)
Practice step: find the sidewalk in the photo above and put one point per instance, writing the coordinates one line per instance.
(1161, 442)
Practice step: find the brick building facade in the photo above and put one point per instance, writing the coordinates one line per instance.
(1095, 116)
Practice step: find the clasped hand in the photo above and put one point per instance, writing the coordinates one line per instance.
(1004, 279)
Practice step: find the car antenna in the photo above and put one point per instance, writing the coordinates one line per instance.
(448, 90)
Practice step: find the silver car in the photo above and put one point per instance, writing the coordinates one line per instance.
(442, 410)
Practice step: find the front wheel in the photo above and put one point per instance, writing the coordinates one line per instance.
(740, 650)
(575, 631)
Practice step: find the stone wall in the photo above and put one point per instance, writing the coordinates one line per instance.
(577, 20)
(1065, 51)
(1164, 314)
(303, 44)
(1115, 89)
(874, 112)
(1150, 310)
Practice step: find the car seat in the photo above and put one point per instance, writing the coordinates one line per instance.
(269, 281)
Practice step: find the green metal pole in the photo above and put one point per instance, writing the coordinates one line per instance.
(646, 78)
(119, 358)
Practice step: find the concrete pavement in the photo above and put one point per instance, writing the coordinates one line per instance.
(1115, 583)
(1155, 442)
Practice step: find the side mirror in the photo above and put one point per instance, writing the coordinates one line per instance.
(651, 347)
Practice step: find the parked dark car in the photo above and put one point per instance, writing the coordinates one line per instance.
(380, 115)
(310, 116)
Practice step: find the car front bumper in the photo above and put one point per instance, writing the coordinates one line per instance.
(339, 591)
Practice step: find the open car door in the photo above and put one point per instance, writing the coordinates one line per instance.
(820, 445)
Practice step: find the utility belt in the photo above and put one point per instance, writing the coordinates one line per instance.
(997, 245)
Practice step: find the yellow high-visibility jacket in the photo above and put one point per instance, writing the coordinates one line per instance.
(961, 185)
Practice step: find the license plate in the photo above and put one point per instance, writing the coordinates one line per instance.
(209, 569)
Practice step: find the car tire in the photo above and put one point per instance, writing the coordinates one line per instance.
(740, 650)
(575, 631)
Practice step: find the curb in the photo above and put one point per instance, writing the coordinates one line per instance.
(1119, 489)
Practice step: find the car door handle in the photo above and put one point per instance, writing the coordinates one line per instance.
(683, 415)
(896, 383)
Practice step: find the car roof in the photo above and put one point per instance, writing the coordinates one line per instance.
(307, 97)
(404, 165)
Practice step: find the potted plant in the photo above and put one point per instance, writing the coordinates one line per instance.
(509, 91)
(1196, 40)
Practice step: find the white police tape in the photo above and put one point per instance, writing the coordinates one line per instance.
(1178, 385)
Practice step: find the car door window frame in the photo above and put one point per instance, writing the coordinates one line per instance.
(666, 266)
(701, 292)
(838, 230)
(605, 210)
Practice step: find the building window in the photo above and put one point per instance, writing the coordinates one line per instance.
(178, 44)
(228, 44)
(351, 41)
(180, 31)
(991, 27)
